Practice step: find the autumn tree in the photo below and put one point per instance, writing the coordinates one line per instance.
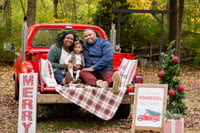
(55, 4)
(179, 26)
(7, 16)
(31, 12)
(175, 22)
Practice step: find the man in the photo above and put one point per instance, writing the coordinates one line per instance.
(98, 54)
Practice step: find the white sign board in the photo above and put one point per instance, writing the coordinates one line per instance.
(149, 106)
(27, 103)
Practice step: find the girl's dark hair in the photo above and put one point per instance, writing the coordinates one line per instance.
(60, 41)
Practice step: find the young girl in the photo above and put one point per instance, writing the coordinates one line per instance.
(77, 60)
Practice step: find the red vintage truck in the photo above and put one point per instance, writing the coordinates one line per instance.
(36, 43)
(148, 117)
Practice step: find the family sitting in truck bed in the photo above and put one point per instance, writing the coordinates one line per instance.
(92, 60)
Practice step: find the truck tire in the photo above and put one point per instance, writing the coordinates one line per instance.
(123, 111)
(16, 95)
(154, 120)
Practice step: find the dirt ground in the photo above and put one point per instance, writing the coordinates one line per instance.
(48, 122)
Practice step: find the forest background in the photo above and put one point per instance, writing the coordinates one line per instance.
(138, 31)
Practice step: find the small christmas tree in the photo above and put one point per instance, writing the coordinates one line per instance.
(153, 113)
(170, 71)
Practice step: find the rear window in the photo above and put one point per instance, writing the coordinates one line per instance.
(48, 37)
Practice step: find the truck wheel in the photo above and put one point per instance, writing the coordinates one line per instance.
(16, 95)
(154, 120)
(139, 119)
(123, 111)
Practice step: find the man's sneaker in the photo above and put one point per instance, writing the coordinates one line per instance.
(116, 82)
(101, 84)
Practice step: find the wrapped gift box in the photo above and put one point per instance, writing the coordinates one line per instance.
(174, 126)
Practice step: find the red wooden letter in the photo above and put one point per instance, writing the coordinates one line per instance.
(28, 81)
(27, 114)
(26, 126)
(27, 102)
(27, 92)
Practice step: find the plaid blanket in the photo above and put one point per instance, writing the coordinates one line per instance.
(101, 102)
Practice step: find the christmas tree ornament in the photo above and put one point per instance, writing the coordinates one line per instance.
(175, 59)
(180, 88)
(160, 74)
(171, 92)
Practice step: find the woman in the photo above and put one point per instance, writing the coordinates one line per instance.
(57, 56)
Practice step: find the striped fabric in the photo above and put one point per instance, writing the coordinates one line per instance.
(47, 74)
(127, 70)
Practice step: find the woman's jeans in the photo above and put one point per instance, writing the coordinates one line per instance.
(59, 76)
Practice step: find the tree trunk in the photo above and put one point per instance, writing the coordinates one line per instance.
(173, 20)
(23, 9)
(31, 12)
(74, 11)
(7, 16)
(179, 26)
(55, 3)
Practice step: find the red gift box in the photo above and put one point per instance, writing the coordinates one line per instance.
(174, 126)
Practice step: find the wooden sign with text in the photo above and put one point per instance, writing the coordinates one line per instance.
(27, 103)
(149, 107)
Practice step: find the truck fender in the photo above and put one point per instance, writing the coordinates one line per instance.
(26, 67)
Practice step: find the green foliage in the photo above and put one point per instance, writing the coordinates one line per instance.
(172, 116)
(1, 8)
(192, 16)
(59, 35)
(191, 43)
(197, 58)
(104, 16)
(139, 30)
(172, 71)
(44, 11)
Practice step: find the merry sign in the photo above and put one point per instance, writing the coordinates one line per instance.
(27, 103)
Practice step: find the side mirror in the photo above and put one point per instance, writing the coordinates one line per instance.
(8, 46)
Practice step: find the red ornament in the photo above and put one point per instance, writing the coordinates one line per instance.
(180, 88)
(160, 74)
(171, 92)
(175, 59)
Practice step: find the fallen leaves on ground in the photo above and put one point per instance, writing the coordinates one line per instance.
(9, 107)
